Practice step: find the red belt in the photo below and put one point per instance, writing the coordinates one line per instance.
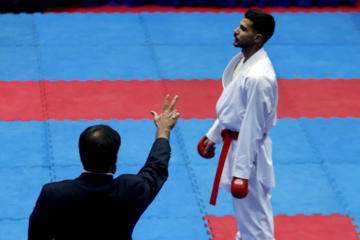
(227, 136)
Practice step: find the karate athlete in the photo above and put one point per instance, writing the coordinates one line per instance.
(246, 111)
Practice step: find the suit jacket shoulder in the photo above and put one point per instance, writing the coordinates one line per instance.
(82, 208)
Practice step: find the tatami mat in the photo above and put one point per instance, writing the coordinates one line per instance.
(61, 73)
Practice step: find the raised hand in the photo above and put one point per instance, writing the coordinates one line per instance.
(166, 121)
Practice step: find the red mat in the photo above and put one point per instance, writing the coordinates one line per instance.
(205, 9)
(21, 101)
(75, 100)
(319, 98)
(298, 227)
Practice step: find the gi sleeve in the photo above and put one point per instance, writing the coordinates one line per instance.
(260, 102)
(214, 134)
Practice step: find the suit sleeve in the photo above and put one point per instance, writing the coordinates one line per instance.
(39, 222)
(155, 170)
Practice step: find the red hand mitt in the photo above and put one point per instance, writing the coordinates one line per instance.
(239, 187)
(201, 149)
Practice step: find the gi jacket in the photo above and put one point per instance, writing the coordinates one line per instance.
(247, 105)
(96, 206)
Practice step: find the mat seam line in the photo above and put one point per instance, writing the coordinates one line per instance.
(191, 175)
(323, 165)
(317, 153)
(43, 98)
(14, 219)
(177, 128)
(355, 22)
(149, 44)
(186, 158)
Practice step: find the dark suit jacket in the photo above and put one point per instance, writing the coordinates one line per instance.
(96, 206)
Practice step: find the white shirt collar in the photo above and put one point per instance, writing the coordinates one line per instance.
(86, 171)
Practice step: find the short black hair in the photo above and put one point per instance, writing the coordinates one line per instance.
(263, 22)
(98, 147)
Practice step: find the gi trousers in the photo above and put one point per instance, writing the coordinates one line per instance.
(253, 213)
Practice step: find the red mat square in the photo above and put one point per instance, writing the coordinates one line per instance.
(22, 101)
(298, 227)
(74, 100)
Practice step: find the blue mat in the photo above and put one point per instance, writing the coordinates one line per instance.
(355, 17)
(316, 160)
(325, 29)
(291, 143)
(181, 29)
(346, 179)
(19, 57)
(134, 135)
(14, 230)
(304, 189)
(297, 144)
(19, 189)
(17, 30)
(314, 61)
(98, 62)
(90, 30)
(23, 144)
(175, 46)
(336, 140)
(170, 228)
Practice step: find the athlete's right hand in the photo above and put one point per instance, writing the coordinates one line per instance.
(206, 148)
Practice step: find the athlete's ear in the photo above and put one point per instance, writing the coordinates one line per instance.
(258, 37)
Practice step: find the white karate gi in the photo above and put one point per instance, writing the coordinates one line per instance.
(248, 105)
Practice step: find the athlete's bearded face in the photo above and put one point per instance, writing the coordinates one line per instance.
(245, 34)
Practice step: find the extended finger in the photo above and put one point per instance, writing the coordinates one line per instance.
(207, 148)
(154, 114)
(172, 105)
(166, 103)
